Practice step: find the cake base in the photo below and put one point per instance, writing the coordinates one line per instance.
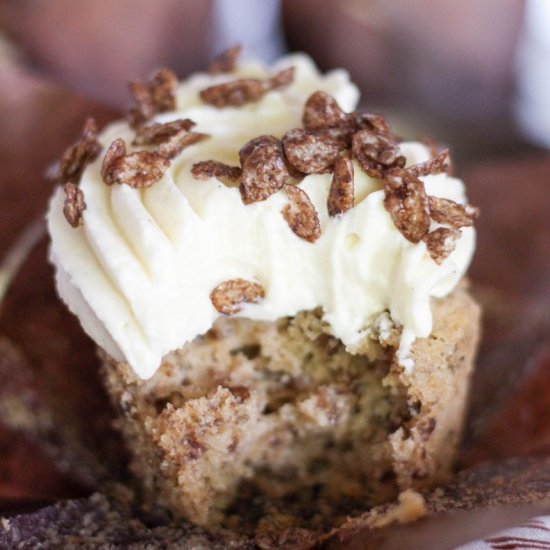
(276, 424)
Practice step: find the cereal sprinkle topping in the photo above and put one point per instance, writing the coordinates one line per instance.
(156, 96)
(139, 169)
(281, 79)
(407, 203)
(437, 164)
(322, 111)
(451, 213)
(157, 133)
(171, 137)
(174, 145)
(248, 90)
(163, 89)
(74, 204)
(226, 61)
(229, 175)
(315, 151)
(264, 170)
(376, 153)
(300, 214)
(329, 141)
(441, 242)
(229, 295)
(341, 194)
(79, 155)
(375, 123)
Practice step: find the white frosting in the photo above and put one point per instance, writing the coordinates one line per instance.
(138, 273)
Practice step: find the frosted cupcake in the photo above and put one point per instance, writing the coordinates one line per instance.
(275, 283)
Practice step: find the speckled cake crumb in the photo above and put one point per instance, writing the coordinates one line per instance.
(275, 424)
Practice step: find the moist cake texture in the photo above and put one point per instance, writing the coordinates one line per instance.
(275, 422)
(275, 283)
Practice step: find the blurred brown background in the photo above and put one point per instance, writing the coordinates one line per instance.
(439, 66)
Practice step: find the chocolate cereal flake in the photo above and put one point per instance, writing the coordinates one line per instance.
(226, 61)
(116, 150)
(341, 193)
(301, 215)
(261, 141)
(435, 165)
(228, 175)
(264, 170)
(78, 155)
(407, 202)
(375, 123)
(74, 204)
(157, 133)
(144, 108)
(441, 242)
(315, 151)
(163, 90)
(171, 137)
(376, 153)
(248, 90)
(451, 213)
(157, 96)
(234, 93)
(139, 169)
(178, 142)
(229, 295)
(281, 79)
(322, 111)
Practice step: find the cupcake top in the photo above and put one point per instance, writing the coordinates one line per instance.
(254, 192)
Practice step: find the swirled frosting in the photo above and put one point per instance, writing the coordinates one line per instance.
(139, 271)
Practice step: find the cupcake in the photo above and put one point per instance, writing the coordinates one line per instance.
(276, 286)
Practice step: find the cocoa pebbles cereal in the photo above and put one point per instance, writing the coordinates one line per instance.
(155, 96)
(79, 155)
(408, 205)
(441, 242)
(228, 296)
(138, 169)
(264, 169)
(376, 153)
(229, 175)
(171, 138)
(435, 165)
(300, 214)
(243, 91)
(341, 193)
(226, 61)
(448, 212)
(74, 204)
(315, 151)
